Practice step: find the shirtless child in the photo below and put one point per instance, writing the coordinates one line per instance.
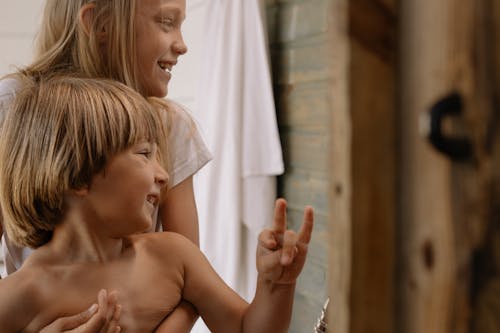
(83, 190)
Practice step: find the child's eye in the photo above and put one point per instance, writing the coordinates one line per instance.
(146, 153)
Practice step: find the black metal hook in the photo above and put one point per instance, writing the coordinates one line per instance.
(457, 149)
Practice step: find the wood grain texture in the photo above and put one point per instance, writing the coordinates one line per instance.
(340, 176)
(374, 199)
(427, 260)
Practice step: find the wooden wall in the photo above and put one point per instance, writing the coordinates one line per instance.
(373, 55)
(412, 236)
(298, 37)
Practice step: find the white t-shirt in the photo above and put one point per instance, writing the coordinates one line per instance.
(187, 151)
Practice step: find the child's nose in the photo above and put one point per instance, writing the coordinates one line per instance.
(161, 176)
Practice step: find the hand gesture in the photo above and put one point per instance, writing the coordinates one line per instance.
(281, 253)
(99, 318)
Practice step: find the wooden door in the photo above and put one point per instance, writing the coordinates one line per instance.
(447, 223)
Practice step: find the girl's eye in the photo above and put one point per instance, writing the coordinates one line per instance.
(168, 22)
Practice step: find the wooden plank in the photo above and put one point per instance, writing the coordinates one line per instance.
(373, 25)
(484, 239)
(426, 237)
(374, 175)
(340, 186)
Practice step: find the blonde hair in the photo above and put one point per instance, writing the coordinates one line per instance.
(60, 132)
(64, 45)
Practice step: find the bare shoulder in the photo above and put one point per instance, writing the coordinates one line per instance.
(165, 245)
(20, 299)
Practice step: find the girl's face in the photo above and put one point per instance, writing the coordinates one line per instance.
(124, 196)
(159, 42)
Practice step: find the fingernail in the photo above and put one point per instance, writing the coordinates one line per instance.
(93, 309)
(285, 259)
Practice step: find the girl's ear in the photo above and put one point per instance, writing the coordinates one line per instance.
(86, 17)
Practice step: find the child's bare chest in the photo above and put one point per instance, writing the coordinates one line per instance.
(146, 293)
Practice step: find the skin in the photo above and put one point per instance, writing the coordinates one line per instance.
(160, 41)
(87, 240)
(102, 317)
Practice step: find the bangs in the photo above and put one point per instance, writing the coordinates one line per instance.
(115, 119)
(60, 132)
(108, 118)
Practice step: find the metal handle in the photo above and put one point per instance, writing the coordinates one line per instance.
(457, 149)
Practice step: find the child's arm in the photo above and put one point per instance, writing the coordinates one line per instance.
(280, 257)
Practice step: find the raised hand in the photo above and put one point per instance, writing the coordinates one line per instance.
(281, 253)
(99, 318)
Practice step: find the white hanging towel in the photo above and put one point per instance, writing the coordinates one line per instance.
(236, 191)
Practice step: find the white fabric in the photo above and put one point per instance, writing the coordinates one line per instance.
(236, 192)
(187, 150)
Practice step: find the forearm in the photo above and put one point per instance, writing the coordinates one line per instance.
(271, 308)
(178, 211)
(181, 320)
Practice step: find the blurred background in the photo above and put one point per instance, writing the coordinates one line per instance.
(387, 113)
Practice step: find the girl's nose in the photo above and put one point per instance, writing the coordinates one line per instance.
(179, 46)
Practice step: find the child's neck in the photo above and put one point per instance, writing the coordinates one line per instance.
(75, 241)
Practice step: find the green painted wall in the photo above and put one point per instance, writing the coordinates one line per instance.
(297, 35)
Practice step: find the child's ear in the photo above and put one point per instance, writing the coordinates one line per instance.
(81, 192)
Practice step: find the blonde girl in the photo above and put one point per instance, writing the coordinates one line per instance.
(138, 43)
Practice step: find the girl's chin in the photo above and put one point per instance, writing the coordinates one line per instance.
(159, 92)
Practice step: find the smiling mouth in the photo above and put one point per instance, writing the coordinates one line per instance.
(152, 199)
(165, 67)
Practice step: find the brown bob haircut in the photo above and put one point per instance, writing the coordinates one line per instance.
(58, 133)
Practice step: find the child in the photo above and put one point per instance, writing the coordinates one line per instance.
(81, 180)
(137, 43)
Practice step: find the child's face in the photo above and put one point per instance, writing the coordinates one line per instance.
(125, 195)
(159, 42)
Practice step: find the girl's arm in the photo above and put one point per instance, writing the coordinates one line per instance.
(178, 211)
(180, 321)
(178, 214)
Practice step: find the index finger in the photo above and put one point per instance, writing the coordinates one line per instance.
(279, 222)
(307, 226)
